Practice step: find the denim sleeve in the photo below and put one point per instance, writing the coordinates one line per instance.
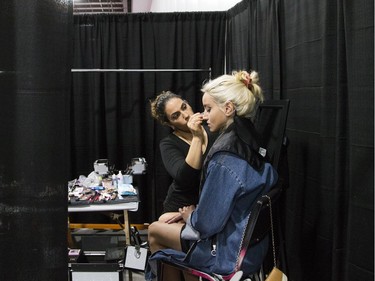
(188, 232)
(220, 190)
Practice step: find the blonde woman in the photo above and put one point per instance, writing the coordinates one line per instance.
(234, 176)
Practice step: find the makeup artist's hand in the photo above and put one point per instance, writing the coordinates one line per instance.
(195, 124)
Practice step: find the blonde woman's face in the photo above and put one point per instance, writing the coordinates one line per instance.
(215, 115)
(178, 112)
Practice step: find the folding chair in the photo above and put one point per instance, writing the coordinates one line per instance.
(270, 123)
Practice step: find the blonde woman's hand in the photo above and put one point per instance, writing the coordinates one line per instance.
(175, 218)
(186, 211)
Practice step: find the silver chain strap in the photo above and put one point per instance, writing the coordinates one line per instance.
(272, 233)
(242, 239)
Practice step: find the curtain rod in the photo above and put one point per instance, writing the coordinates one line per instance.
(140, 70)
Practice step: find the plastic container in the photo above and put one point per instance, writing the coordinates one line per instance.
(120, 178)
(114, 181)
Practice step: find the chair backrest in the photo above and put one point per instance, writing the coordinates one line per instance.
(270, 122)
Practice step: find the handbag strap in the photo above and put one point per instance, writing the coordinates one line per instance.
(272, 232)
(247, 233)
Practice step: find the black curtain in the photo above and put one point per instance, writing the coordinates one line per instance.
(254, 42)
(320, 55)
(110, 115)
(35, 63)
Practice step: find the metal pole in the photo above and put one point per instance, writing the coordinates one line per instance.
(139, 70)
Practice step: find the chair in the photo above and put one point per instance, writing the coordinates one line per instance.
(270, 123)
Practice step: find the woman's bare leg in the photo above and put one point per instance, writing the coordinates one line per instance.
(164, 236)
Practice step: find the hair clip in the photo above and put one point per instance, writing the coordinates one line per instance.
(245, 78)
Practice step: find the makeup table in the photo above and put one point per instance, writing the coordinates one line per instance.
(125, 207)
(131, 206)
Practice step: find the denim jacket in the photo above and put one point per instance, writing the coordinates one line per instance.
(235, 175)
(230, 189)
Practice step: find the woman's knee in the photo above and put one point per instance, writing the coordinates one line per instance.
(152, 229)
(164, 235)
(151, 237)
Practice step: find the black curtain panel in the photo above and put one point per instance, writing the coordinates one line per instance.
(110, 116)
(320, 55)
(254, 42)
(35, 63)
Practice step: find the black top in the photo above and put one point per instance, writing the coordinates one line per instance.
(184, 189)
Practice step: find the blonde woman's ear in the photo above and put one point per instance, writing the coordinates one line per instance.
(229, 108)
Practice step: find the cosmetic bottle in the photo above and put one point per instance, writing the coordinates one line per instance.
(120, 178)
(114, 181)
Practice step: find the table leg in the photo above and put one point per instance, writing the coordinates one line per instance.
(127, 237)
(127, 227)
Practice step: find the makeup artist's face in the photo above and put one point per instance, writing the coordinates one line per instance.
(178, 112)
